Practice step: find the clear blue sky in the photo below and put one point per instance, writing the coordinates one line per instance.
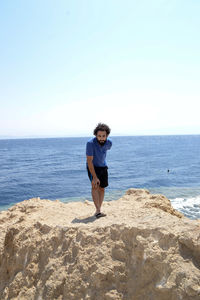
(67, 65)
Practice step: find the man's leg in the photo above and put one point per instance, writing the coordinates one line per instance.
(98, 192)
(96, 199)
(101, 196)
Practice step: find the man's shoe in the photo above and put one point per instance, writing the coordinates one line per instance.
(99, 215)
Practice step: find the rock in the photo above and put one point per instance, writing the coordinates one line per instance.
(142, 249)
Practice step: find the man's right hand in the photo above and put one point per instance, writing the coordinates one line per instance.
(95, 182)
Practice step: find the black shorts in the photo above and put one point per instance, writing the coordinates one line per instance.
(102, 174)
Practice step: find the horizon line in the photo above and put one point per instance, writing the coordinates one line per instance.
(7, 137)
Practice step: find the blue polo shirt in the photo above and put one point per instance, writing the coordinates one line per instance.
(98, 152)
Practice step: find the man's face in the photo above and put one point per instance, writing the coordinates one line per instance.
(101, 137)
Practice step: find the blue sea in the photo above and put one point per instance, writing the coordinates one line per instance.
(55, 168)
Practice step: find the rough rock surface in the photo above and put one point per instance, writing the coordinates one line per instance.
(142, 250)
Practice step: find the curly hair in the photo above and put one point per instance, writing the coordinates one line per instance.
(102, 127)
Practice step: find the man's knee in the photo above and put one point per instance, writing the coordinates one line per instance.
(98, 188)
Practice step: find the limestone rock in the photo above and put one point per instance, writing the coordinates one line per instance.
(142, 250)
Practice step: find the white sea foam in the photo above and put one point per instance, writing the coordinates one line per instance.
(189, 206)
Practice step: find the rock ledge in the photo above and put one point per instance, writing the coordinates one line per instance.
(142, 250)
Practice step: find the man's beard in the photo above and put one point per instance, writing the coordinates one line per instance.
(101, 142)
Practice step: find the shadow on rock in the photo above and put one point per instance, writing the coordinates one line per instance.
(84, 220)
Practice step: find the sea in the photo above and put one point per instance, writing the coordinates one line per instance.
(55, 168)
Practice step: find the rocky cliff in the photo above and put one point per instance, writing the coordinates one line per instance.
(142, 250)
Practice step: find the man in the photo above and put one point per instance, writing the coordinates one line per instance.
(96, 164)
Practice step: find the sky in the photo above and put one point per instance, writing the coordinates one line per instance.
(65, 66)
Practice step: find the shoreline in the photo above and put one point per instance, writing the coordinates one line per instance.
(180, 197)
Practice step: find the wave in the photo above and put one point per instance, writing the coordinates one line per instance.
(190, 206)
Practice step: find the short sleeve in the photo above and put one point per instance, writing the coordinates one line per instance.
(109, 144)
(89, 149)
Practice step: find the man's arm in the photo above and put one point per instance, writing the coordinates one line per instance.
(95, 179)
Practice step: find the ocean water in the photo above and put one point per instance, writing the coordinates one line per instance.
(55, 168)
